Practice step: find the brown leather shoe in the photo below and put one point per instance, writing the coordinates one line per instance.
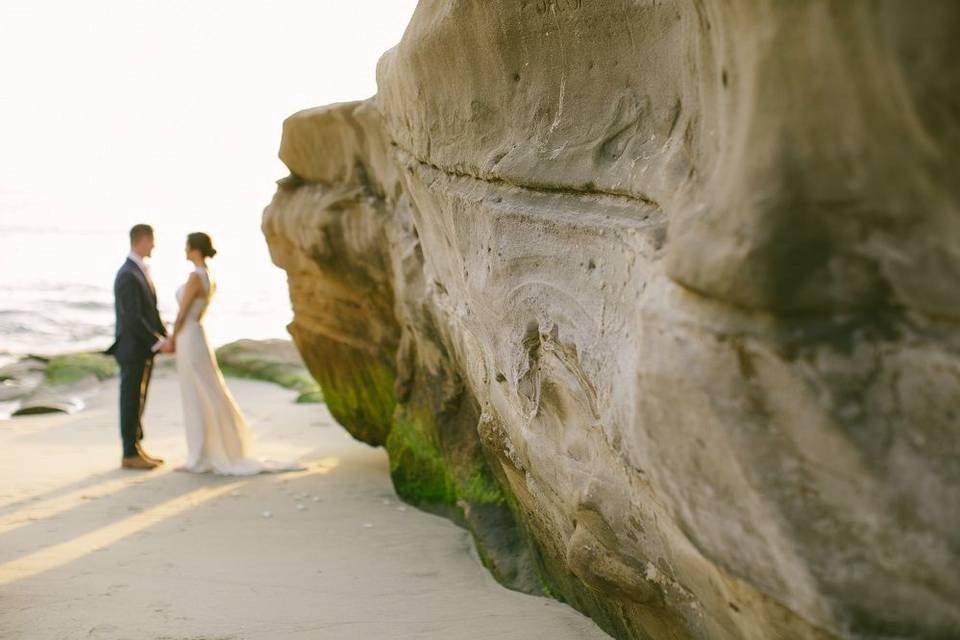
(137, 462)
(147, 456)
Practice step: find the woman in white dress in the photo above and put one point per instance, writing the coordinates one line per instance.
(218, 438)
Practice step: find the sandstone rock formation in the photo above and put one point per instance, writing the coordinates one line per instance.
(659, 299)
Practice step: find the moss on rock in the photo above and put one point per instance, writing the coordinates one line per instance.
(362, 402)
(311, 397)
(358, 390)
(480, 487)
(70, 368)
(419, 472)
(274, 361)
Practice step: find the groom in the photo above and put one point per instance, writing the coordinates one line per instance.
(140, 334)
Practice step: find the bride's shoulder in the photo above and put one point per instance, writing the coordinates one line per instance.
(202, 276)
(194, 278)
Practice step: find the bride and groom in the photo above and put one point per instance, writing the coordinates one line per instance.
(218, 438)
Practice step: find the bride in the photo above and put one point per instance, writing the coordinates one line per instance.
(218, 438)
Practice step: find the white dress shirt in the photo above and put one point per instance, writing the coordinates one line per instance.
(140, 262)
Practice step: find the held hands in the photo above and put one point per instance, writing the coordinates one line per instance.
(167, 346)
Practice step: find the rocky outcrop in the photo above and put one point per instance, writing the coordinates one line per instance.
(276, 361)
(36, 385)
(658, 299)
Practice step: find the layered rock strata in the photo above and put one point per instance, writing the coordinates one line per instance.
(659, 299)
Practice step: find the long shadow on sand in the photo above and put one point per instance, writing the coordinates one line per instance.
(71, 527)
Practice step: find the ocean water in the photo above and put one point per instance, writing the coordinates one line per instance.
(168, 113)
(56, 280)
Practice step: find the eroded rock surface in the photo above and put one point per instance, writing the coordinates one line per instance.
(659, 299)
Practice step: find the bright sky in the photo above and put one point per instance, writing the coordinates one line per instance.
(169, 112)
(173, 107)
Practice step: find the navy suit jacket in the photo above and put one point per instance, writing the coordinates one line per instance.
(138, 321)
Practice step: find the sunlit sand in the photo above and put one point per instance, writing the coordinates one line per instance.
(88, 550)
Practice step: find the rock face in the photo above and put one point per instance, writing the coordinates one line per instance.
(659, 299)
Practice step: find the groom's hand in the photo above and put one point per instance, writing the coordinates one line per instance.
(168, 346)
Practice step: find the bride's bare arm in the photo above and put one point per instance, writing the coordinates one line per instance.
(190, 292)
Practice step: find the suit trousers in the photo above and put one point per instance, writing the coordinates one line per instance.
(134, 382)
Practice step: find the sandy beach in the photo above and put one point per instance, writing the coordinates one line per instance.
(91, 551)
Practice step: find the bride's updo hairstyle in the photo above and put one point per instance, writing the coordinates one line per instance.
(202, 243)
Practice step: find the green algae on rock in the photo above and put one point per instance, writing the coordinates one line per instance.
(274, 361)
(71, 368)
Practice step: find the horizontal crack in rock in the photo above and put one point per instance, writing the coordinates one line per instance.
(539, 188)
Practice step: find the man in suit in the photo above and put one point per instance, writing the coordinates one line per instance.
(140, 335)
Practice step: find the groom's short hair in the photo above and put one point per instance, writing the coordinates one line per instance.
(138, 231)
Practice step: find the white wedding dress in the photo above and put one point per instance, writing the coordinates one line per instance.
(218, 438)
